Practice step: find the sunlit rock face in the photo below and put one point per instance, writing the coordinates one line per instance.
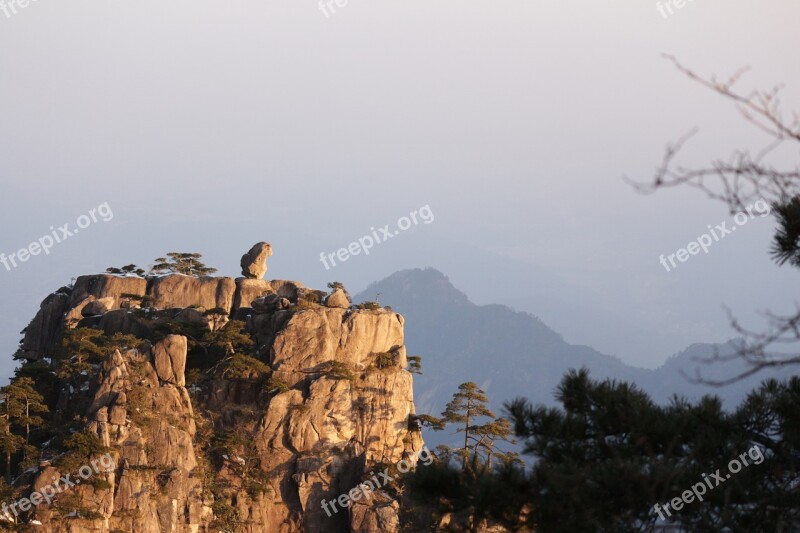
(267, 451)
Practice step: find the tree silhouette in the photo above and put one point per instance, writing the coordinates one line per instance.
(22, 407)
(467, 406)
(127, 269)
(786, 243)
(609, 454)
(415, 364)
(185, 263)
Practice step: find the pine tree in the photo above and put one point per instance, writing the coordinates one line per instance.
(127, 269)
(610, 438)
(786, 243)
(334, 285)
(22, 407)
(25, 405)
(9, 444)
(467, 406)
(415, 364)
(181, 263)
(489, 433)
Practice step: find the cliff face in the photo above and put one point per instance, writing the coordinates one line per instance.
(207, 438)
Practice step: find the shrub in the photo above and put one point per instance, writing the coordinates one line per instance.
(127, 269)
(310, 296)
(91, 346)
(101, 484)
(300, 408)
(81, 447)
(191, 330)
(386, 360)
(275, 385)
(163, 478)
(226, 516)
(337, 370)
(370, 306)
(243, 367)
(140, 404)
(303, 303)
(194, 377)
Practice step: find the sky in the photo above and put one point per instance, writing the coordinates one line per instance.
(209, 126)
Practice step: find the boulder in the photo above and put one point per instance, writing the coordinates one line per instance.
(286, 289)
(106, 286)
(254, 262)
(99, 306)
(122, 321)
(248, 290)
(210, 321)
(192, 315)
(337, 299)
(270, 303)
(75, 314)
(177, 290)
(169, 359)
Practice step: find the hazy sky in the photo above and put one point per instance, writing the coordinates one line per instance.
(209, 126)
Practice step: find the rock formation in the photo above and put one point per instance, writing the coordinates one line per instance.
(169, 358)
(254, 262)
(179, 291)
(208, 438)
(337, 299)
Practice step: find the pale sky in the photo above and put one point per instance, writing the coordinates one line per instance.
(208, 126)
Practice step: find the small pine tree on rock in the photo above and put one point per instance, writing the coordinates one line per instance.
(127, 270)
(185, 263)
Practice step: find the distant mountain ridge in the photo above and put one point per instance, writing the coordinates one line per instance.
(512, 353)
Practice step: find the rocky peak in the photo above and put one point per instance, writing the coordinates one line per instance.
(228, 404)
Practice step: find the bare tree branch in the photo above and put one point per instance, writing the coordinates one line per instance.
(737, 181)
(742, 177)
